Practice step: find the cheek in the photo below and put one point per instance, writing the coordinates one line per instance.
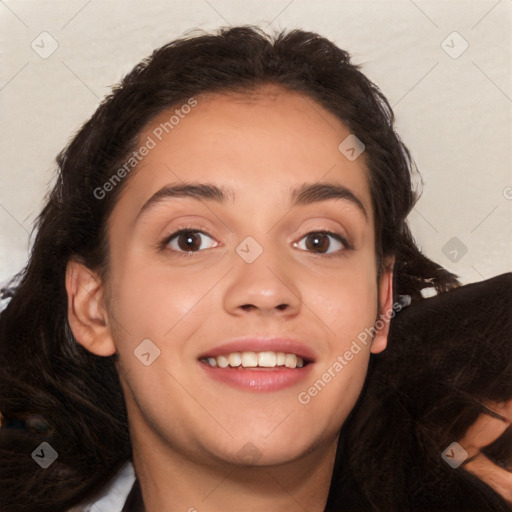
(347, 302)
(148, 301)
(346, 305)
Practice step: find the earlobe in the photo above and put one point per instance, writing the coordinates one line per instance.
(380, 339)
(87, 315)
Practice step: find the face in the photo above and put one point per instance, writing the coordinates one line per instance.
(271, 264)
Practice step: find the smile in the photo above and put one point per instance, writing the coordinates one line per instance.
(267, 359)
(257, 371)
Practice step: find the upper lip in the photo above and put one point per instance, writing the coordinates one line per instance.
(263, 344)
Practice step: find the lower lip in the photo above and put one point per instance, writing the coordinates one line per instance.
(264, 379)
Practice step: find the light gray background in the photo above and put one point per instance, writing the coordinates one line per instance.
(453, 111)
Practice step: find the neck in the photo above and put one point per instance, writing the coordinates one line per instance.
(172, 482)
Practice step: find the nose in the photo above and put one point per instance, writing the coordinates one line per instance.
(262, 287)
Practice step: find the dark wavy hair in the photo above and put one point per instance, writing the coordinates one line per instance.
(447, 357)
(54, 389)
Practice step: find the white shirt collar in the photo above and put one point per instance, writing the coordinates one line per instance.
(113, 497)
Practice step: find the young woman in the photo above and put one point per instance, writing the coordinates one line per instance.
(228, 228)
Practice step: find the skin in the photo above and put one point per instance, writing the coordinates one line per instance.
(483, 432)
(190, 433)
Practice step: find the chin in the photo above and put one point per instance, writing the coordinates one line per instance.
(258, 451)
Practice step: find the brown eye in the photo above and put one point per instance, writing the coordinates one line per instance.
(189, 240)
(322, 242)
(319, 242)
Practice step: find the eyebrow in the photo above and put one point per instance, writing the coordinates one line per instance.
(308, 193)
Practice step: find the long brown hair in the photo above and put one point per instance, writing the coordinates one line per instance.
(53, 388)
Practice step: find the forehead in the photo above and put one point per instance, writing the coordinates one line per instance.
(264, 143)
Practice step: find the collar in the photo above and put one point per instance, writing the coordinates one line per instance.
(119, 493)
(134, 501)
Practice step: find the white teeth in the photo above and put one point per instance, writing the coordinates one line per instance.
(266, 359)
(249, 359)
(223, 361)
(235, 359)
(290, 361)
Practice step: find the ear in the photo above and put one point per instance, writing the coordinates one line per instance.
(380, 340)
(87, 315)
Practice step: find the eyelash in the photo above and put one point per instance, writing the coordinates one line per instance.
(164, 244)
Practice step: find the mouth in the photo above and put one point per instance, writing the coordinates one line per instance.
(261, 360)
(258, 365)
